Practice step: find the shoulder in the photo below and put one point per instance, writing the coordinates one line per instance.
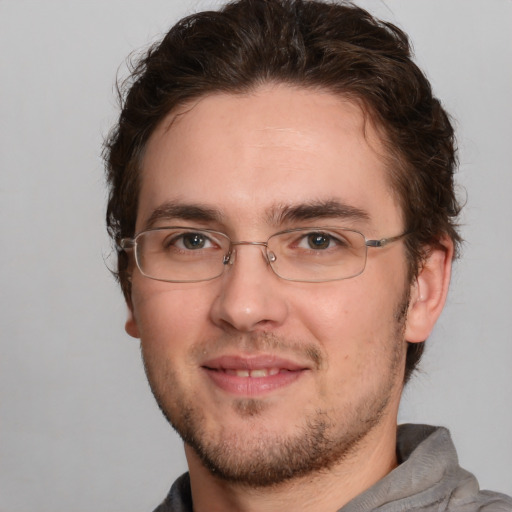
(428, 479)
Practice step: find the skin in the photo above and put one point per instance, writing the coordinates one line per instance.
(248, 157)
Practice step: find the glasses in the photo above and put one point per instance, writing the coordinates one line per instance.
(181, 254)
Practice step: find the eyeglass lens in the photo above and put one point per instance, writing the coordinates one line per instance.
(304, 254)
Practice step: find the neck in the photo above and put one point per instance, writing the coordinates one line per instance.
(325, 490)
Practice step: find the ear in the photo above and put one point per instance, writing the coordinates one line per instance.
(131, 323)
(429, 291)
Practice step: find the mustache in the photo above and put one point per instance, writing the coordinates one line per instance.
(258, 342)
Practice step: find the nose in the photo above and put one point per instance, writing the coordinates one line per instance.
(251, 296)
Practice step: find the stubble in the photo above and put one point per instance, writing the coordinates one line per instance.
(258, 457)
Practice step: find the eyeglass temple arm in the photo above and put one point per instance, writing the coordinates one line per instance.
(126, 244)
(385, 241)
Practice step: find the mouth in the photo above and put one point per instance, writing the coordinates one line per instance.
(251, 376)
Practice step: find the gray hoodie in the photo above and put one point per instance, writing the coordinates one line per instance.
(428, 479)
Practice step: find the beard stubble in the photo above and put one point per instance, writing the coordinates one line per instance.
(265, 458)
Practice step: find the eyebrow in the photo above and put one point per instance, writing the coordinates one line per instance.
(194, 212)
(314, 210)
(277, 215)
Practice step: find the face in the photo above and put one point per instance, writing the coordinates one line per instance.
(267, 379)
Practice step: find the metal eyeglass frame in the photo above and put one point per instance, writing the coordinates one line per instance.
(130, 243)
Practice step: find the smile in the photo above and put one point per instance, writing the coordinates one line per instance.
(250, 376)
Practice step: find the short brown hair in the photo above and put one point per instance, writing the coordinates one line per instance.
(336, 47)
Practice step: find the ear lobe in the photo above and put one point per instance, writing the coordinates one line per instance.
(131, 324)
(429, 292)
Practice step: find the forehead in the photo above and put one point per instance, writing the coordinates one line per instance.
(247, 154)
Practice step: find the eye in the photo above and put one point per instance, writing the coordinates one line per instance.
(194, 241)
(189, 241)
(320, 241)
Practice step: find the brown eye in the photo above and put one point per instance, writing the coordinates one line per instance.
(193, 241)
(318, 241)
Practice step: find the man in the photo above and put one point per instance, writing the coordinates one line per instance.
(282, 199)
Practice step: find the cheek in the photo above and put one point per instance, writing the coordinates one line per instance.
(343, 312)
(354, 321)
(169, 317)
(170, 320)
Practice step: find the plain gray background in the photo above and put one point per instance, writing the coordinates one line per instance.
(78, 427)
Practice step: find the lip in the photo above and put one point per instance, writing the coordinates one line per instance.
(221, 371)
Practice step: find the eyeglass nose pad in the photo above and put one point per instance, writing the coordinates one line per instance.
(271, 257)
(229, 258)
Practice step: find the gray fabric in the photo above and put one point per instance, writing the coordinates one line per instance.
(179, 498)
(428, 479)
